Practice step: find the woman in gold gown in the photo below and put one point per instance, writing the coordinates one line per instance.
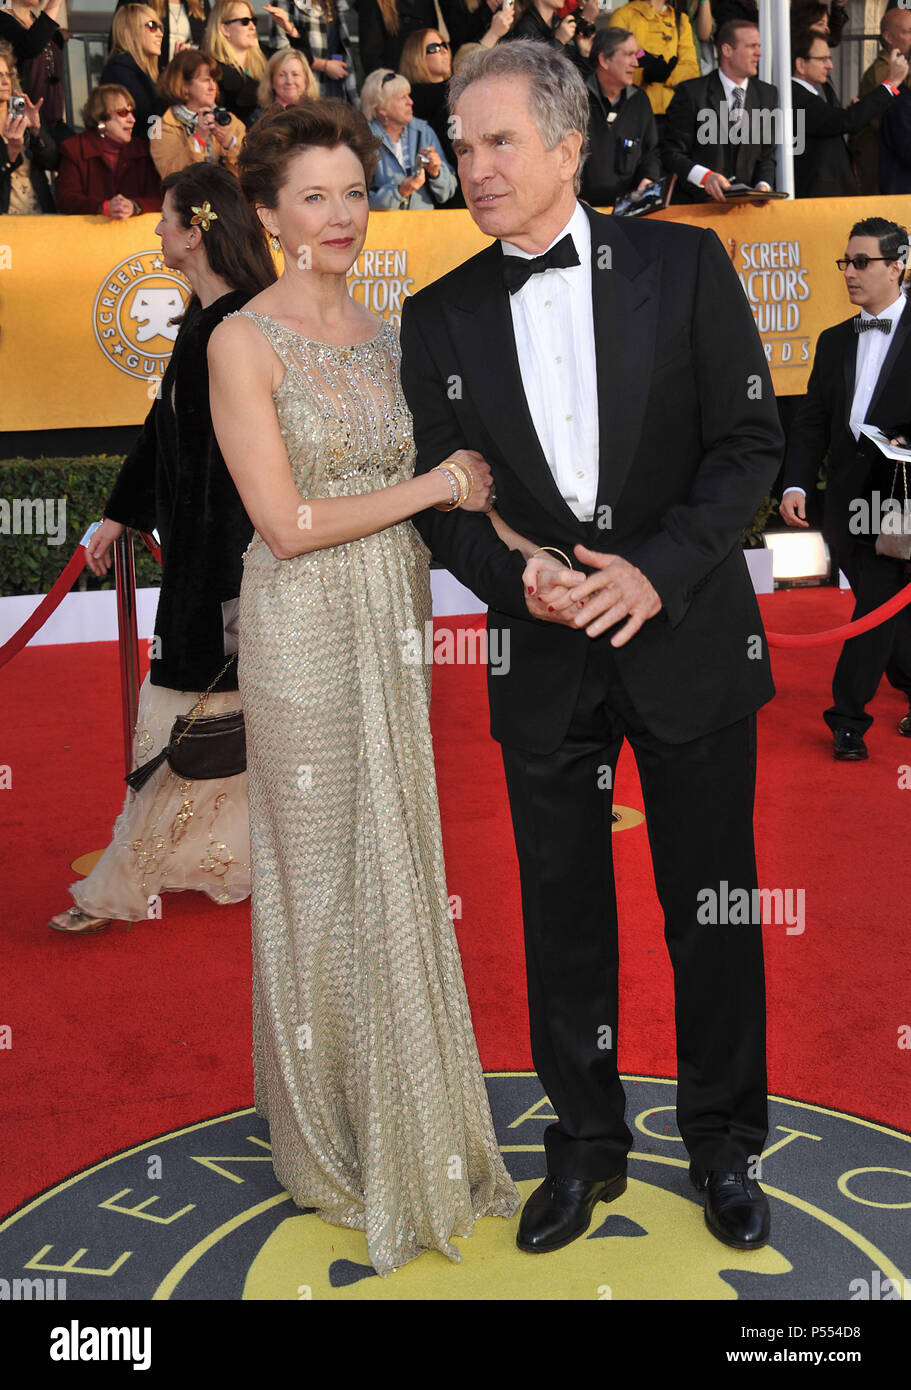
(365, 1063)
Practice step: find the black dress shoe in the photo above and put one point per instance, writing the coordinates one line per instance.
(560, 1210)
(904, 725)
(736, 1208)
(848, 746)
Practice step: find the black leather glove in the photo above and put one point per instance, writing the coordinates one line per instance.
(672, 63)
(654, 68)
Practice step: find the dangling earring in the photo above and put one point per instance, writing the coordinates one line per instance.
(274, 243)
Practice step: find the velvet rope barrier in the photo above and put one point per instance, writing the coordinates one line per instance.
(45, 608)
(61, 587)
(870, 620)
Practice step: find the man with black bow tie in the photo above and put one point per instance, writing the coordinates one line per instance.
(611, 375)
(861, 375)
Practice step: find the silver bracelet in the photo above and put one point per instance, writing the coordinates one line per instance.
(455, 489)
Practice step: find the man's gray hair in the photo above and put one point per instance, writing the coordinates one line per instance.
(559, 101)
(608, 38)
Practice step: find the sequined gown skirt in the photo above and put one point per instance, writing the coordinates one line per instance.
(365, 1063)
(172, 834)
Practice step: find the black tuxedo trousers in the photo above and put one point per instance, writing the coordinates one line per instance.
(884, 650)
(689, 443)
(699, 804)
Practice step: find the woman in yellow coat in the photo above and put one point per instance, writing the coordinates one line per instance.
(670, 53)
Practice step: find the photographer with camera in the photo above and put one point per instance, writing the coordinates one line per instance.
(412, 171)
(569, 31)
(37, 41)
(26, 149)
(194, 129)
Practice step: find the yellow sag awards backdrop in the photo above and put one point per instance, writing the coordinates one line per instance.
(85, 303)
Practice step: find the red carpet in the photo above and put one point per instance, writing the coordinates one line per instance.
(121, 1036)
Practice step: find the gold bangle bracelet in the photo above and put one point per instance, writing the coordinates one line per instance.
(454, 463)
(554, 551)
(464, 477)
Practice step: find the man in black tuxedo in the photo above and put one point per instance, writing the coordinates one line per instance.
(618, 390)
(861, 375)
(823, 169)
(723, 128)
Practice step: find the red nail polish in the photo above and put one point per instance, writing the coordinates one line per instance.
(531, 588)
(550, 608)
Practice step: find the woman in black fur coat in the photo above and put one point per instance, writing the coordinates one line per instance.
(174, 834)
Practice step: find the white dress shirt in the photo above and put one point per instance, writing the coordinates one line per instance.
(872, 347)
(554, 329)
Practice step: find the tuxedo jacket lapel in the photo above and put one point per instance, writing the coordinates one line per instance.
(850, 369)
(625, 313)
(625, 305)
(714, 92)
(899, 338)
(494, 381)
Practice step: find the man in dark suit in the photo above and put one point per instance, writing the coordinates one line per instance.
(723, 128)
(861, 375)
(611, 375)
(823, 168)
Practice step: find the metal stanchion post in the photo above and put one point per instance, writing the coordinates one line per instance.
(128, 639)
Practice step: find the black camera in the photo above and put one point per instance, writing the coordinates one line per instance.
(221, 115)
(584, 28)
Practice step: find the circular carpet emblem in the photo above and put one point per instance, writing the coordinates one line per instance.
(198, 1214)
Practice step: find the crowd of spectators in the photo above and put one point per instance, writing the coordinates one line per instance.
(673, 89)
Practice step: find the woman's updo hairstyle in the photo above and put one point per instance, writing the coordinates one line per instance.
(233, 241)
(278, 136)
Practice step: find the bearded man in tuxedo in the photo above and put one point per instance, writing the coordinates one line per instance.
(618, 390)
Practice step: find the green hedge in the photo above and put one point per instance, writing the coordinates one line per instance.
(28, 564)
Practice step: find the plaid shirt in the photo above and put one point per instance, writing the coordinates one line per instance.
(307, 17)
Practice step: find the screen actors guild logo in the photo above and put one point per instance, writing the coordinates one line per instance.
(132, 312)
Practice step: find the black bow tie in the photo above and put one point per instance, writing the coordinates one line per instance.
(861, 325)
(517, 270)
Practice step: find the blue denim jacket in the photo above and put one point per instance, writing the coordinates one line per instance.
(390, 173)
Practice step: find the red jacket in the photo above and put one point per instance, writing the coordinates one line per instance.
(85, 181)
